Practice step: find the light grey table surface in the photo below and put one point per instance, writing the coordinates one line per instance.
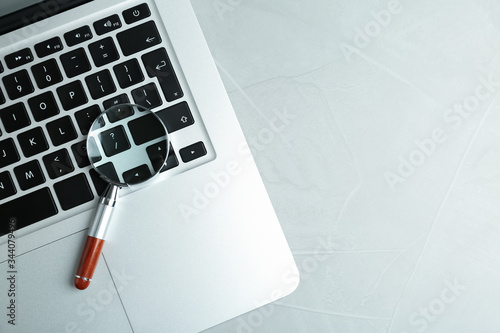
(376, 128)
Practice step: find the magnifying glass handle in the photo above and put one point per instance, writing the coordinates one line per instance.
(95, 239)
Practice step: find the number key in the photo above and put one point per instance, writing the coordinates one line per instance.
(18, 84)
(46, 73)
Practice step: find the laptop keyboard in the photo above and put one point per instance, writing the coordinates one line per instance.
(50, 95)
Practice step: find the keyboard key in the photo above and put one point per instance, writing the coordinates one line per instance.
(103, 52)
(158, 65)
(117, 100)
(138, 38)
(48, 47)
(7, 187)
(18, 58)
(121, 111)
(72, 95)
(128, 73)
(80, 153)
(1, 68)
(58, 164)
(33, 142)
(172, 160)
(2, 98)
(156, 154)
(61, 130)
(29, 175)
(73, 191)
(147, 96)
(43, 106)
(8, 153)
(100, 84)
(14, 117)
(75, 62)
(107, 24)
(108, 169)
(99, 183)
(192, 152)
(137, 175)
(46, 73)
(145, 129)
(95, 155)
(114, 141)
(85, 118)
(18, 84)
(136, 13)
(28, 209)
(176, 117)
(78, 36)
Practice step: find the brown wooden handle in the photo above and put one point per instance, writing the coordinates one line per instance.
(88, 262)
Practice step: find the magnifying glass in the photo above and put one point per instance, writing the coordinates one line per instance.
(127, 145)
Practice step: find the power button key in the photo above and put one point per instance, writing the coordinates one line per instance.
(136, 13)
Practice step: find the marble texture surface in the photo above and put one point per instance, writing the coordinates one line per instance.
(376, 128)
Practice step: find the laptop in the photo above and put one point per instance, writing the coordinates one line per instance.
(196, 246)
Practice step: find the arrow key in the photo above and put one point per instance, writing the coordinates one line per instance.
(58, 164)
(137, 175)
(157, 152)
(192, 152)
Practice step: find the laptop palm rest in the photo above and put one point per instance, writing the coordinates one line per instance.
(60, 307)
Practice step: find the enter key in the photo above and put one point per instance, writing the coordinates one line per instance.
(158, 65)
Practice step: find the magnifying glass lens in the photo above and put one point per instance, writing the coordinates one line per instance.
(127, 144)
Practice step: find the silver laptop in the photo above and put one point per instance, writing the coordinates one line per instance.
(198, 245)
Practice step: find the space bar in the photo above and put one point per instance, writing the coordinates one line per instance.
(26, 210)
